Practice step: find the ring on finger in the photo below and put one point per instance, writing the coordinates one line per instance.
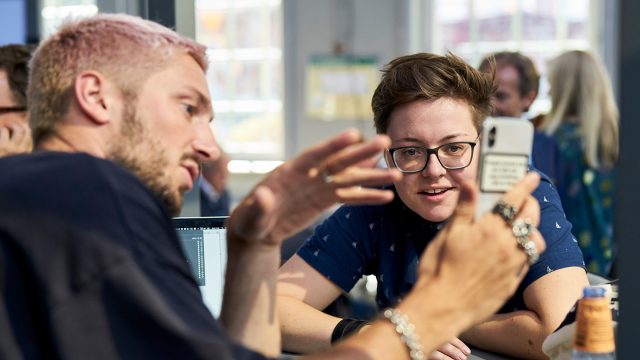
(326, 177)
(506, 211)
(521, 229)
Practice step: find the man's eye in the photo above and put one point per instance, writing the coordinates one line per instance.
(501, 96)
(190, 109)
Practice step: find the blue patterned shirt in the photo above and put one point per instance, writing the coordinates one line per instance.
(387, 240)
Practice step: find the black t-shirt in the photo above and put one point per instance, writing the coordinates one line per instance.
(91, 268)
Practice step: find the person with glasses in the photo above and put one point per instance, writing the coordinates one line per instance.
(15, 136)
(432, 108)
(90, 263)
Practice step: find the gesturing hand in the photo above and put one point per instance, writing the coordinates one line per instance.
(296, 193)
(15, 138)
(476, 264)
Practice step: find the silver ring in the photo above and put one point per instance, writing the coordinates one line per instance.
(326, 177)
(521, 229)
(507, 212)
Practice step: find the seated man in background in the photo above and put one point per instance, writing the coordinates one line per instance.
(518, 81)
(15, 136)
(215, 199)
(92, 268)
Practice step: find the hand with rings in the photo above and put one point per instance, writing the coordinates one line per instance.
(521, 229)
(482, 258)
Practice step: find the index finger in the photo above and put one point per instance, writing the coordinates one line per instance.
(317, 154)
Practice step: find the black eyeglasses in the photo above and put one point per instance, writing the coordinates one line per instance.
(452, 156)
(11, 109)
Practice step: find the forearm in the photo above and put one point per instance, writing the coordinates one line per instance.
(435, 321)
(249, 310)
(304, 328)
(518, 334)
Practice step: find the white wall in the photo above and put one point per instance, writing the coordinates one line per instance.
(311, 27)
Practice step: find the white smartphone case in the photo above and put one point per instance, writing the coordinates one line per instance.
(505, 149)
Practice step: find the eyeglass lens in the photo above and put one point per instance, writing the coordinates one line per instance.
(451, 156)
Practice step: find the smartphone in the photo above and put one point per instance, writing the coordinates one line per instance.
(505, 149)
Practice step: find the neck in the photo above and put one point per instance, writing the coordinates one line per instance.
(67, 141)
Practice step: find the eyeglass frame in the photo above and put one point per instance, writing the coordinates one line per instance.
(435, 152)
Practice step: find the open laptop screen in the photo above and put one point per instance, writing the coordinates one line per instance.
(204, 243)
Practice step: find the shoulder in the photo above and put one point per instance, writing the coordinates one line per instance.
(53, 175)
(81, 191)
(562, 249)
(546, 191)
(57, 168)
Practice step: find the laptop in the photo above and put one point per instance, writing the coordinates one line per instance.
(204, 243)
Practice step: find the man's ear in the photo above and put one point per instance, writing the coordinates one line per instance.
(528, 99)
(91, 94)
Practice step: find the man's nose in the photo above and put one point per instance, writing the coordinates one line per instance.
(205, 144)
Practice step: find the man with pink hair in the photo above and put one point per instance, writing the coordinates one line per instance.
(90, 266)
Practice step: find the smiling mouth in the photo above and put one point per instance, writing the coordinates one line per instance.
(434, 191)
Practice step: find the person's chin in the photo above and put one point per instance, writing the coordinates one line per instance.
(175, 203)
(438, 214)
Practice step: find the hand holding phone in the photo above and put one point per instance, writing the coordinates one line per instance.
(505, 148)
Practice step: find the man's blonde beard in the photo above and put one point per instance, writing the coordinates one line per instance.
(135, 149)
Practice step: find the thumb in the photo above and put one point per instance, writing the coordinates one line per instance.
(465, 211)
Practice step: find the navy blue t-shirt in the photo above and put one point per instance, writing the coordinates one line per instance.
(91, 268)
(387, 241)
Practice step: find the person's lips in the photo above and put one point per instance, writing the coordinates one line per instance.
(193, 171)
(435, 193)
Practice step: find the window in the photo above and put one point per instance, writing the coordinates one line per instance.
(55, 11)
(541, 29)
(244, 40)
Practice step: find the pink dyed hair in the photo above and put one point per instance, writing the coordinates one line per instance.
(124, 48)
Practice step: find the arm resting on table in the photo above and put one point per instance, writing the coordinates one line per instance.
(521, 333)
(302, 292)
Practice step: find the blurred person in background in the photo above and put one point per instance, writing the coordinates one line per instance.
(215, 199)
(15, 136)
(518, 81)
(584, 122)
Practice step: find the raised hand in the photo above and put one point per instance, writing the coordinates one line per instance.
(15, 138)
(475, 265)
(341, 169)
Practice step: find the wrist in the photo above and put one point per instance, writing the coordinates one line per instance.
(435, 316)
(346, 328)
(407, 333)
(237, 244)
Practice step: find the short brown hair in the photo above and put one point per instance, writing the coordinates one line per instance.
(528, 77)
(430, 77)
(14, 61)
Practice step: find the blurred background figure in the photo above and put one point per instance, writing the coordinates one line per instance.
(584, 122)
(517, 82)
(215, 199)
(15, 136)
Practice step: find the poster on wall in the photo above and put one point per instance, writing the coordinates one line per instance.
(339, 87)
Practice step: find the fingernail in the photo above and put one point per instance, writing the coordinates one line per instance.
(466, 350)
(532, 177)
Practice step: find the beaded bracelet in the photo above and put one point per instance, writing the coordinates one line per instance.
(406, 331)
